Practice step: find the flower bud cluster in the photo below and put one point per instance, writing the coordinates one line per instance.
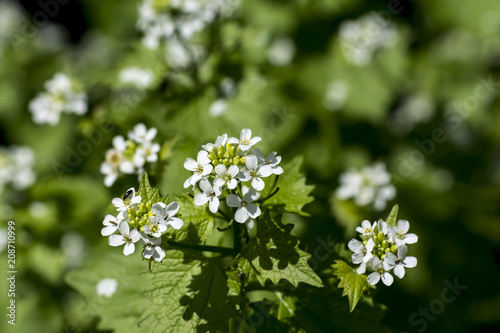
(383, 249)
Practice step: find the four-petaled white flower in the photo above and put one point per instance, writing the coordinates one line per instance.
(155, 227)
(246, 141)
(245, 207)
(163, 213)
(272, 160)
(211, 147)
(128, 199)
(127, 237)
(152, 248)
(111, 225)
(401, 261)
(362, 253)
(200, 168)
(381, 271)
(226, 176)
(366, 229)
(400, 233)
(254, 172)
(210, 194)
(141, 134)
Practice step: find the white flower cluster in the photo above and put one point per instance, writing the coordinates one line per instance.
(176, 21)
(372, 185)
(361, 38)
(143, 222)
(16, 167)
(383, 248)
(137, 77)
(62, 95)
(130, 156)
(222, 167)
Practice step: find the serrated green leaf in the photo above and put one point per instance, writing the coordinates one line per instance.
(274, 254)
(392, 219)
(189, 293)
(121, 311)
(198, 224)
(294, 194)
(354, 284)
(147, 192)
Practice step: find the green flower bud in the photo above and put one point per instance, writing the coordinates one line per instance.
(230, 149)
(385, 243)
(220, 152)
(382, 257)
(387, 249)
(376, 240)
(148, 205)
(394, 249)
(212, 157)
(381, 236)
(215, 163)
(242, 160)
(380, 253)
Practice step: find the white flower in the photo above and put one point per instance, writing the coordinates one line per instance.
(106, 287)
(362, 253)
(141, 134)
(400, 233)
(212, 148)
(246, 141)
(110, 225)
(368, 186)
(116, 161)
(128, 199)
(152, 248)
(210, 194)
(381, 271)
(245, 207)
(226, 176)
(281, 51)
(165, 214)
(336, 95)
(45, 109)
(149, 151)
(254, 172)
(140, 78)
(366, 229)
(200, 168)
(401, 261)
(127, 237)
(218, 108)
(155, 227)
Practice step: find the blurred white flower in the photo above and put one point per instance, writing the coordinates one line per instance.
(372, 185)
(74, 248)
(140, 78)
(16, 167)
(360, 39)
(281, 51)
(336, 95)
(417, 109)
(106, 287)
(62, 95)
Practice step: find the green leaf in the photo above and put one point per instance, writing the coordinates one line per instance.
(188, 293)
(354, 284)
(147, 192)
(121, 311)
(392, 219)
(274, 254)
(198, 224)
(294, 193)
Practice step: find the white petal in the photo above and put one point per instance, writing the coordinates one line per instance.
(232, 184)
(375, 263)
(245, 134)
(220, 169)
(219, 182)
(244, 176)
(251, 162)
(410, 262)
(110, 179)
(190, 164)
(200, 199)
(172, 208)
(214, 205)
(124, 228)
(250, 196)
(175, 223)
(253, 210)
(370, 245)
(118, 203)
(109, 220)
(205, 186)
(158, 209)
(106, 231)
(399, 271)
(127, 167)
(390, 259)
(134, 235)
(255, 140)
(357, 258)
(362, 268)
(148, 252)
(233, 170)
(116, 240)
(158, 254)
(402, 250)
(355, 245)
(373, 278)
(387, 279)
(410, 238)
(265, 170)
(241, 215)
(128, 249)
(258, 184)
(403, 226)
(202, 157)
(207, 169)
(233, 200)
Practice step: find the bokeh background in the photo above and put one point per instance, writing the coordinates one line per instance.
(346, 84)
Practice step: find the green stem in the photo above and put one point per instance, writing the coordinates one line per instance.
(216, 249)
(269, 196)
